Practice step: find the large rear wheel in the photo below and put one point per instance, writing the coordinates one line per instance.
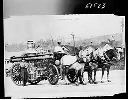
(19, 75)
(53, 74)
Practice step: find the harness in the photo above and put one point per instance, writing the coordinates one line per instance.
(106, 56)
(108, 61)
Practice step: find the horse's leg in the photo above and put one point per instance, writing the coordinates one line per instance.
(61, 72)
(95, 69)
(102, 74)
(65, 70)
(95, 76)
(77, 76)
(90, 76)
(81, 77)
(108, 69)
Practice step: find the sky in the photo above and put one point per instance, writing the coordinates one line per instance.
(19, 29)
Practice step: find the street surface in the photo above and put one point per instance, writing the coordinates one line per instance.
(45, 90)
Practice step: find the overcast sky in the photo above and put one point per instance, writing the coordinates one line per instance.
(22, 28)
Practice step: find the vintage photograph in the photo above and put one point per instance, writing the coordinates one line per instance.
(58, 56)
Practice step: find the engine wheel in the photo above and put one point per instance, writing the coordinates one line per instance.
(53, 74)
(71, 75)
(19, 75)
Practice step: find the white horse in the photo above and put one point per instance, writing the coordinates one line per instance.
(102, 55)
(70, 62)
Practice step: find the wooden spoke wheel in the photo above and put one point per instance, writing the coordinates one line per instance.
(19, 75)
(53, 74)
(71, 75)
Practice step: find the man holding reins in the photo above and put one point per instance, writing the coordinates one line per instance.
(58, 54)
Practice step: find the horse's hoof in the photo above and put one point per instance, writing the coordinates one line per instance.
(95, 82)
(90, 82)
(102, 81)
(66, 83)
(109, 81)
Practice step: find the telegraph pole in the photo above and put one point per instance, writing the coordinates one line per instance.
(74, 42)
(52, 42)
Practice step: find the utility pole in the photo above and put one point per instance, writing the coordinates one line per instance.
(74, 42)
(52, 42)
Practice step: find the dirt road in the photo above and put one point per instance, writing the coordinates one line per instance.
(45, 90)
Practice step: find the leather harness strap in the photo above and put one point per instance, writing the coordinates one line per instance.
(106, 56)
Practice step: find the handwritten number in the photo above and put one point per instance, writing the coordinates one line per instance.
(96, 5)
(87, 6)
(99, 6)
(103, 5)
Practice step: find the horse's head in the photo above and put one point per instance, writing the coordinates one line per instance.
(116, 54)
(112, 55)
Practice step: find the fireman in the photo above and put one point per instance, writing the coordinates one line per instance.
(58, 53)
(30, 47)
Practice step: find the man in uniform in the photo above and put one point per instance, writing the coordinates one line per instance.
(83, 59)
(30, 47)
(58, 54)
(30, 50)
(58, 51)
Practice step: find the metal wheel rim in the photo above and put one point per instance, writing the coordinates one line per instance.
(53, 76)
